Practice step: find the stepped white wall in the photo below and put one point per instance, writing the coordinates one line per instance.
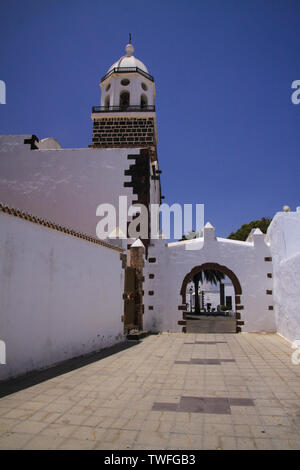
(245, 259)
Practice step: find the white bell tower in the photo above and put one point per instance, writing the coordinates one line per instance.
(126, 116)
(128, 84)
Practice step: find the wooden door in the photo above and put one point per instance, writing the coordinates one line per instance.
(130, 293)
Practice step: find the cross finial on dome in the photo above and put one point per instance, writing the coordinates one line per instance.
(129, 38)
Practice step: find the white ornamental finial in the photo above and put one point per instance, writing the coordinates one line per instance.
(129, 49)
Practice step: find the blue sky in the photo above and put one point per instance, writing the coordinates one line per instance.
(229, 135)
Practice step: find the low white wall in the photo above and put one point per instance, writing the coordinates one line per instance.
(245, 259)
(60, 296)
(284, 238)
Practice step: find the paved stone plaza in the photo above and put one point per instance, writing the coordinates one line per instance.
(170, 391)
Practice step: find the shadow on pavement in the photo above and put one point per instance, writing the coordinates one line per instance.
(38, 376)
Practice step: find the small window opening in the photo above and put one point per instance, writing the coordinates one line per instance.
(144, 101)
(124, 99)
(107, 101)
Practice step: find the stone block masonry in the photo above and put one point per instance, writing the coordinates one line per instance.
(123, 132)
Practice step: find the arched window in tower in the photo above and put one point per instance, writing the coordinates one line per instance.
(144, 101)
(107, 101)
(124, 99)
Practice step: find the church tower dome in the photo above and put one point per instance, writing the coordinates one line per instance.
(126, 112)
(129, 60)
(128, 83)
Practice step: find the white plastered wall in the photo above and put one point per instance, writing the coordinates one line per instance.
(173, 261)
(284, 238)
(64, 186)
(60, 296)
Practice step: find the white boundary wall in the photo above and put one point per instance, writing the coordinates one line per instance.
(60, 296)
(284, 238)
(245, 259)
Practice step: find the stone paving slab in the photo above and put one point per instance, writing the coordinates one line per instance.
(241, 392)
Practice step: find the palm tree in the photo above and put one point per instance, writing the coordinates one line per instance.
(209, 275)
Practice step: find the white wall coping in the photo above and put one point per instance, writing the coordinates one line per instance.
(218, 239)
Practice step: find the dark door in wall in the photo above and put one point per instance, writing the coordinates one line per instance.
(130, 295)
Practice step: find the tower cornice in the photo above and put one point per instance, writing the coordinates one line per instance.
(127, 70)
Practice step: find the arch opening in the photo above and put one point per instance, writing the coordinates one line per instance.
(107, 102)
(144, 101)
(211, 300)
(124, 99)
